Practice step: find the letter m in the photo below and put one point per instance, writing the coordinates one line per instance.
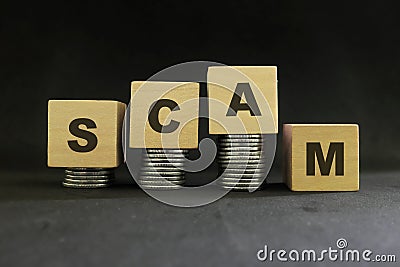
(336, 150)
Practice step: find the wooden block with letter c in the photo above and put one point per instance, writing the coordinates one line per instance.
(164, 114)
(85, 133)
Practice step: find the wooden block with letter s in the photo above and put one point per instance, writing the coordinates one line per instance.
(85, 133)
(321, 157)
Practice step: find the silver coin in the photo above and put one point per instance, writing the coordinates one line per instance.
(88, 181)
(235, 162)
(172, 172)
(243, 175)
(163, 155)
(165, 152)
(161, 164)
(239, 167)
(89, 177)
(88, 169)
(156, 172)
(240, 188)
(163, 174)
(244, 141)
(241, 148)
(155, 182)
(162, 179)
(159, 177)
(239, 154)
(152, 182)
(169, 157)
(233, 146)
(79, 177)
(160, 187)
(247, 171)
(236, 166)
(241, 184)
(240, 140)
(243, 171)
(244, 179)
(164, 161)
(74, 185)
(241, 180)
(233, 185)
(160, 169)
(254, 162)
(241, 161)
(243, 165)
(242, 136)
(92, 173)
(242, 157)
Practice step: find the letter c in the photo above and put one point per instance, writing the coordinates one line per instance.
(155, 110)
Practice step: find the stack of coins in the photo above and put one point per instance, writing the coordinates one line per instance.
(88, 177)
(160, 164)
(242, 161)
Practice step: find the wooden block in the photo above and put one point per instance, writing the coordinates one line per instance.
(85, 133)
(254, 106)
(164, 115)
(321, 157)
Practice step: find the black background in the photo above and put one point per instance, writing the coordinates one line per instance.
(337, 61)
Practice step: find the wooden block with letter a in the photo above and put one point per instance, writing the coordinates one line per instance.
(321, 157)
(243, 99)
(85, 133)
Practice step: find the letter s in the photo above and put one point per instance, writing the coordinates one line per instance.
(88, 136)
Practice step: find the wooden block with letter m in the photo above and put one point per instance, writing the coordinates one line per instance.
(321, 157)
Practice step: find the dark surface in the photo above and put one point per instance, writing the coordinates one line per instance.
(43, 224)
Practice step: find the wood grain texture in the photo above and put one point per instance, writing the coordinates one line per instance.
(222, 82)
(295, 139)
(108, 117)
(144, 95)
